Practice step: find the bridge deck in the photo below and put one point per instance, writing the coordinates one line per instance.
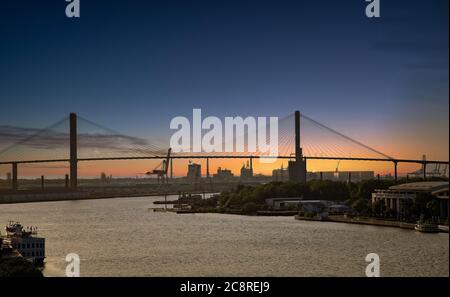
(226, 157)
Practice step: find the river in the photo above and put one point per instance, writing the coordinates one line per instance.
(122, 237)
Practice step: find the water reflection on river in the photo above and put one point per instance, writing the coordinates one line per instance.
(121, 237)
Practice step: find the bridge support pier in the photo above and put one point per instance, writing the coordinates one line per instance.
(14, 183)
(207, 168)
(42, 182)
(73, 152)
(424, 170)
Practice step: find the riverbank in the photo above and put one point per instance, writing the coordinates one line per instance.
(365, 221)
(266, 213)
(360, 221)
(31, 196)
(278, 213)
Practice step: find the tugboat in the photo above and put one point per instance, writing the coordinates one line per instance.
(25, 241)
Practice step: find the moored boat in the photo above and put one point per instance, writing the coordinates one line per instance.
(426, 227)
(25, 241)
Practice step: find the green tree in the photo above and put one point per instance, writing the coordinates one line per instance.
(18, 267)
(367, 187)
(329, 190)
(362, 206)
(250, 207)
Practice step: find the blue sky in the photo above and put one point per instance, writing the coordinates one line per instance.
(134, 65)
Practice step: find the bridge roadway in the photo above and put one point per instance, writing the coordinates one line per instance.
(226, 157)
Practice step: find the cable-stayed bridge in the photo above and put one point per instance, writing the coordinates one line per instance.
(75, 139)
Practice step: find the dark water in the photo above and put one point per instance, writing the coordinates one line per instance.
(121, 237)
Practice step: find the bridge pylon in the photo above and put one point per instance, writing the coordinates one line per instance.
(297, 168)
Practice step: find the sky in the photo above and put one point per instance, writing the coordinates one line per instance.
(132, 66)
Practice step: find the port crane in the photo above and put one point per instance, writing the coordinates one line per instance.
(337, 166)
(336, 172)
(437, 171)
(161, 169)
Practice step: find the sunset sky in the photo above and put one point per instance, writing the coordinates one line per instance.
(132, 66)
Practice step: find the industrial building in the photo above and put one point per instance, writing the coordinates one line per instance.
(281, 174)
(317, 206)
(282, 203)
(246, 171)
(343, 176)
(194, 172)
(223, 174)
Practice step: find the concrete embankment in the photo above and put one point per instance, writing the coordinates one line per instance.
(35, 196)
(24, 196)
(371, 221)
(363, 221)
(107, 191)
(272, 213)
(62, 196)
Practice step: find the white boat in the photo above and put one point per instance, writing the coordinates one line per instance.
(25, 241)
(426, 227)
(443, 228)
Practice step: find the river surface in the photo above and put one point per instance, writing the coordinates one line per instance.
(122, 237)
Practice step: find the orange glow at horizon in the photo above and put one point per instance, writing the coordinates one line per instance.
(137, 168)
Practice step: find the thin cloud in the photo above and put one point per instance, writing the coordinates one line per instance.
(12, 137)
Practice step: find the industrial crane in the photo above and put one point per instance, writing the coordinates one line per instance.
(336, 172)
(161, 170)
